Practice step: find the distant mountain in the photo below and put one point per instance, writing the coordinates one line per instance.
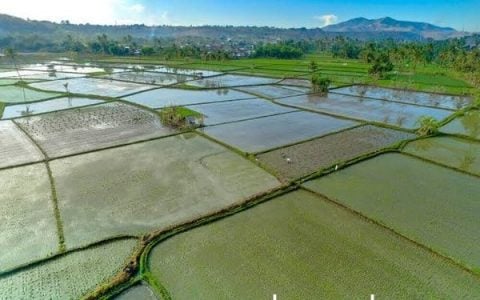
(389, 25)
(359, 28)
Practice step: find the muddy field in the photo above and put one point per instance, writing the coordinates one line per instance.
(305, 158)
(83, 129)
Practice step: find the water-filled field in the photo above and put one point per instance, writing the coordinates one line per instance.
(468, 125)
(305, 158)
(275, 131)
(381, 111)
(274, 91)
(137, 292)
(16, 94)
(430, 204)
(405, 96)
(22, 110)
(92, 86)
(150, 77)
(454, 152)
(163, 97)
(278, 191)
(231, 81)
(300, 246)
(231, 111)
(148, 186)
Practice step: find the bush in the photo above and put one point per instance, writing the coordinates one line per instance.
(320, 84)
(180, 117)
(381, 65)
(428, 126)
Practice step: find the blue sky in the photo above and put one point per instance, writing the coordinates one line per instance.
(280, 13)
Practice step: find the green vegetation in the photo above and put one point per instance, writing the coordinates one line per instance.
(320, 84)
(281, 51)
(302, 246)
(467, 124)
(427, 126)
(69, 276)
(457, 153)
(429, 204)
(381, 66)
(19, 94)
(2, 109)
(180, 117)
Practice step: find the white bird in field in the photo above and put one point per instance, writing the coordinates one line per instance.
(336, 167)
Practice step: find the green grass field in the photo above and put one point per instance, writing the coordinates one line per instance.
(431, 78)
(300, 246)
(429, 204)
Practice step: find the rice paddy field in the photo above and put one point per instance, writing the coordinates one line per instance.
(273, 189)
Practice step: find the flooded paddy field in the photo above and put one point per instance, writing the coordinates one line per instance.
(24, 110)
(137, 292)
(70, 276)
(454, 152)
(305, 158)
(89, 128)
(28, 226)
(163, 97)
(405, 96)
(185, 71)
(387, 112)
(85, 179)
(150, 77)
(16, 94)
(432, 205)
(231, 111)
(467, 125)
(231, 81)
(92, 86)
(270, 132)
(274, 91)
(139, 188)
(15, 146)
(302, 246)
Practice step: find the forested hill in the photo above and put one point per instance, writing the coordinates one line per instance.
(12, 26)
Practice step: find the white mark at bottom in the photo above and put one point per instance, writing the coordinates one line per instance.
(274, 296)
(372, 297)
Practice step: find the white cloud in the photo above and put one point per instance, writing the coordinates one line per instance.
(85, 11)
(327, 19)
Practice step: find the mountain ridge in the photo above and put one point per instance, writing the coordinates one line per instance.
(359, 28)
(388, 24)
